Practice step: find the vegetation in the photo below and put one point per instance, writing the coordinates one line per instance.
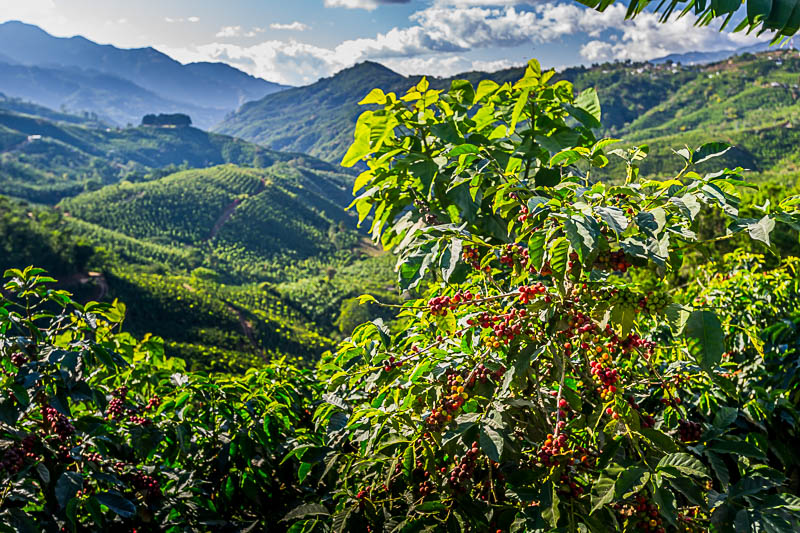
(569, 354)
(550, 377)
(174, 119)
(641, 101)
(44, 161)
(783, 18)
(102, 431)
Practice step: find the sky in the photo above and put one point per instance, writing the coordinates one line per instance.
(297, 42)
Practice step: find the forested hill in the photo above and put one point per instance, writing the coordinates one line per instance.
(319, 119)
(44, 159)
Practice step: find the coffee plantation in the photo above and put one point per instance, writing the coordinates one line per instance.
(565, 357)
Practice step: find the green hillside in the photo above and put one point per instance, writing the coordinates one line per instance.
(318, 119)
(238, 221)
(44, 161)
(212, 325)
(640, 102)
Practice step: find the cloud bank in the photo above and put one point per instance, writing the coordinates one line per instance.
(440, 38)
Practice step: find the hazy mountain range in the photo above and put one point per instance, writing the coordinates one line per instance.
(118, 84)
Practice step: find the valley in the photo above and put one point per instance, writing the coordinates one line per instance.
(247, 222)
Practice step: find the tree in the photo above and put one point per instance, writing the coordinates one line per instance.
(780, 16)
(175, 119)
(547, 376)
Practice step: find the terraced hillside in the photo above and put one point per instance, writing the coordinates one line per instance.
(213, 325)
(232, 219)
(751, 102)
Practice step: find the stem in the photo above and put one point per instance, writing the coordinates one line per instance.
(558, 396)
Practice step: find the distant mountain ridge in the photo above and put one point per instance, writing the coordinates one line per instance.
(318, 119)
(702, 58)
(206, 90)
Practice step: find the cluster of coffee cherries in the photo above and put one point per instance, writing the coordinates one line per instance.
(152, 403)
(146, 484)
(646, 516)
(529, 292)
(573, 260)
(13, 460)
(506, 327)
(512, 253)
(18, 359)
(653, 303)
(612, 261)
(139, 420)
(93, 457)
(390, 364)
(523, 214)
(57, 423)
(634, 341)
(558, 451)
(481, 374)
(440, 305)
(607, 378)
(116, 407)
(580, 328)
(552, 448)
(464, 468)
(689, 431)
(569, 487)
(472, 257)
(625, 296)
(441, 415)
(425, 488)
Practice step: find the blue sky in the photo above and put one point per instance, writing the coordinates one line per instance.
(299, 41)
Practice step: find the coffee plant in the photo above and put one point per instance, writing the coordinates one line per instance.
(99, 431)
(550, 375)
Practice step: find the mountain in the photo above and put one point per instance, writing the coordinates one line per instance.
(701, 58)
(20, 106)
(115, 100)
(207, 90)
(316, 119)
(319, 118)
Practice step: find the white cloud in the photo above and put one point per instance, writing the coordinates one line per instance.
(238, 31)
(293, 26)
(440, 37)
(646, 38)
(173, 20)
(43, 13)
(229, 31)
(369, 5)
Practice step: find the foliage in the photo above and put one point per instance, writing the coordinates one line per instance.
(174, 119)
(100, 431)
(781, 17)
(535, 385)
